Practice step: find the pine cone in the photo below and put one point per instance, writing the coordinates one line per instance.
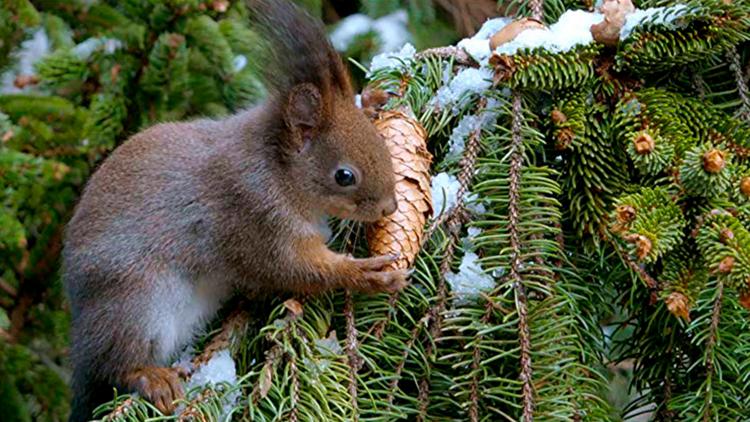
(401, 232)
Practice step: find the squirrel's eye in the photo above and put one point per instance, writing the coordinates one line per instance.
(345, 177)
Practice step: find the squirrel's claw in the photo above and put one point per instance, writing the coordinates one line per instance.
(386, 281)
(374, 263)
(160, 386)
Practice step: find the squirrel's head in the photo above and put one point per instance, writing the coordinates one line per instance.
(329, 149)
(342, 162)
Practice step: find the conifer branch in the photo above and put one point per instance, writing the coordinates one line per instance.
(453, 223)
(515, 263)
(736, 67)
(351, 351)
(712, 338)
(459, 55)
(294, 375)
(537, 9)
(413, 336)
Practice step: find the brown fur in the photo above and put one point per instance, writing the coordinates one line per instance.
(183, 215)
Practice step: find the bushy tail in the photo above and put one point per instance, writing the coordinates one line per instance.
(300, 51)
(88, 395)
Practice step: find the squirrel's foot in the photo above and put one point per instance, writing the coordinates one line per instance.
(375, 280)
(160, 386)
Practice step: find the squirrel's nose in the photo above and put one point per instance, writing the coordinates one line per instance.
(389, 206)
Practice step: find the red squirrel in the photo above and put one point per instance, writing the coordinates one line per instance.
(184, 216)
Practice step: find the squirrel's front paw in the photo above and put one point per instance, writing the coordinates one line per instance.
(375, 280)
(385, 281)
(160, 386)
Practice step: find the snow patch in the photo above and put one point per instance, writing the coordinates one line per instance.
(393, 60)
(653, 15)
(444, 189)
(571, 30)
(86, 48)
(468, 242)
(31, 51)
(469, 123)
(478, 46)
(457, 92)
(470, 281)
(392, 30)
(239, 62)
(348, 29)
(219, 369)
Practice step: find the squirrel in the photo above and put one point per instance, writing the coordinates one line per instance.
(182, 217)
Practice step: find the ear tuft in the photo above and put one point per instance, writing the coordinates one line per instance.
(303, 107)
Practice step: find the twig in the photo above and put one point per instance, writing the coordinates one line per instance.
(715, 317)
(736, 67)
(191, 411)
(7, 288)
(459, 55)
(515, 262)
(294, 375)
(454, 222)
(230, 330)
(651, 282)
(120, 410)
(5, 336)
(32, 288)
(351, 351)
(537, 9)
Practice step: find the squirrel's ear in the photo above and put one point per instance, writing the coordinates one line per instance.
(303, 107)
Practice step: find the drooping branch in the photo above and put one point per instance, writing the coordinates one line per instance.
(736, 67)
(515, 262)
(459, 55)
(710, 345)
(351, 351)
(453, 224)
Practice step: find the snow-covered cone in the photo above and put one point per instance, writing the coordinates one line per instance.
(401, 232)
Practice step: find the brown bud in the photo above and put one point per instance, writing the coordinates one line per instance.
(643, 143)
(642, 244)
(294, 307)
(504, 67)
(563, 138)
(726, 265)
(114, 73)
(714, 161)
(22, 81)
(725, 235)
(7, 135)
(374, 97)
(220, 6)
(745, 186)
(745, 299)
(558, 117)
(625, 214)
(510, 31)
(60, 170)
(678, 305)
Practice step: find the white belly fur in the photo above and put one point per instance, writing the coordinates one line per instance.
(183, 309)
